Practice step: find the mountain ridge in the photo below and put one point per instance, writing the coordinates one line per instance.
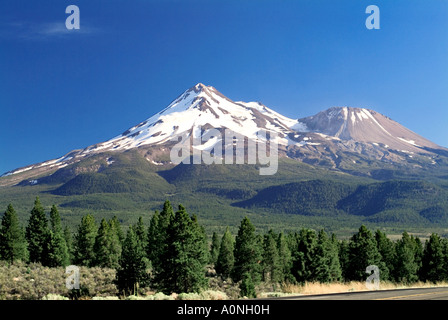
(339, 137)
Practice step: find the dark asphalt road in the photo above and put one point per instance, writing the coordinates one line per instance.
(400, 294)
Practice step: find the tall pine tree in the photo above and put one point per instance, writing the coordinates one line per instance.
(131, 273)
(418, 254)
(84, 253)
(141, 233)
(386, 248)
(247, 253)
(116, 226)
(69, 242)
(303, 255)
(214, 249)
(184, 257)
(225, 260)
(107, 246)
(363, 252)
(343, 249)
(158, 234)
(37, 233)
(405, 267)
(285, 257)
(152, 250)
(56, 252)
(326, 266)
(433, 268)
(13, 246)
(271, 264)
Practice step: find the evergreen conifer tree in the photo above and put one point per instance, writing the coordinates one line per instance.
(214, 249)
(433, 268)
(247, 287)
(116, 226)
(343, 258)
(153, 238)
(13, 246)
(37, 233)
(69, 242)
(131, 273)
(325, 265)
(84, 253)
(303, 257)
(184, 257)
(285, 258)
(107, 246)
(362, 253)
(335, 264)
(55, 252)
(247, 253)
(225, 260)
(141, 233)
(386, 248)
(405, 267)
(158, 234)
(418, 254)
(271, 265)
(444, 243)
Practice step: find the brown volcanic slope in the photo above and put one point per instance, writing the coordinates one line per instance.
(364, 125)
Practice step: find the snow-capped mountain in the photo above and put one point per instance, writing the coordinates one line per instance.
(364, 125)
(205, 107)
(334, 137)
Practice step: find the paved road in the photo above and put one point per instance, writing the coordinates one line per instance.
(400, 294)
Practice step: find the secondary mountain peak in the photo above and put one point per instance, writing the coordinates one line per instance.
(365, 125)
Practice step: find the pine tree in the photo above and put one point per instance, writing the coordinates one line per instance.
(141, 233)
(116, 226)
(55, 252)
(157, 235)
(405, 267)
(302, 267)
(386, 248)
(418, 254)
(84, 253)
(152, 249)
(271, 265)
(69, 242)
(444, 243)
(285, 258)
(107, 246)
(225, 260)
(214, 249)
(247, 287)
(185, 256)
(13, 246)
(343, 249)
(37, 233)
(433, 267)
(326, 266)
(362, 253)
(247, 253)
(335, 264)
(203, 243)
(131, 273)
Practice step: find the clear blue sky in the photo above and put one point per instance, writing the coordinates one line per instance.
(62, 90)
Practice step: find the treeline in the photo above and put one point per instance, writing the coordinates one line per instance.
(172, 253)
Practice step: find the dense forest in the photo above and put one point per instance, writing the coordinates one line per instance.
(172, 253)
